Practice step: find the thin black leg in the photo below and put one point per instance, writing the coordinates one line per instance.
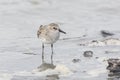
(52, 54)
(42, 53)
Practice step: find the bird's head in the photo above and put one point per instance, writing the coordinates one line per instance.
(55, 27)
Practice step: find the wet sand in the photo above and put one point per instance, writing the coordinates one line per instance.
(83, 20)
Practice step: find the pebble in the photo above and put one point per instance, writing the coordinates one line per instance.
(88, 54)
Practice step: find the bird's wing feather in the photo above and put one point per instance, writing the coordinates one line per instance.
(39, 31)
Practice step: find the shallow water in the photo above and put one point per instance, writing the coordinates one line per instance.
(20, 50)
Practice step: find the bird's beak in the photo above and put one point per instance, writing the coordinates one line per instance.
(62, 31)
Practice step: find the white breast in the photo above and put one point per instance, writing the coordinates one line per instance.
(50, 38)
(54, 36)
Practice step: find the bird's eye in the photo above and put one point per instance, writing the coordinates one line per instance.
(54, 28)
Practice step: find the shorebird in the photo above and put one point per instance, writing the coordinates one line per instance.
(49, 34)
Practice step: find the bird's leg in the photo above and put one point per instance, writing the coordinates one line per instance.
(42, 53)
(52, 54)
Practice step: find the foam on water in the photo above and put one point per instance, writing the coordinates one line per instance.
(103, 42)
(20, 19)
(59, 69)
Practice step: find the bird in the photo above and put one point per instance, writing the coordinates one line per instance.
(49, 34)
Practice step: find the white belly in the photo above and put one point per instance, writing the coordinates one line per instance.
(50, 38)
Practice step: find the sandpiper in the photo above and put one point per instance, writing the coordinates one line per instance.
(49, 34)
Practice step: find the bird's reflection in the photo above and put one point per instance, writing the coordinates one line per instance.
(44, 66)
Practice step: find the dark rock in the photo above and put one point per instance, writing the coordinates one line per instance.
(75, 60)
(88, 54)
(95, 41)
(114, 75)
(106, 33)
(113, 65)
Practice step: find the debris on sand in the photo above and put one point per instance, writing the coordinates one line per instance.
(114, 67)
(106, 33)
(88, 54)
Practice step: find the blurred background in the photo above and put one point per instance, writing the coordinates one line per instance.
(20, 20)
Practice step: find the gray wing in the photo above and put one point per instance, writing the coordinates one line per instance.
(39, 31)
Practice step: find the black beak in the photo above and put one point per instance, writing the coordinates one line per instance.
(62, 31)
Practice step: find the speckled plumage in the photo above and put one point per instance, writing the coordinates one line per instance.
(49, 34)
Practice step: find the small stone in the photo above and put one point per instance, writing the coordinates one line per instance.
(88, 54)
(96, 57)
(75, 60)
(84, 71)
(84, 35)
(94, 41)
